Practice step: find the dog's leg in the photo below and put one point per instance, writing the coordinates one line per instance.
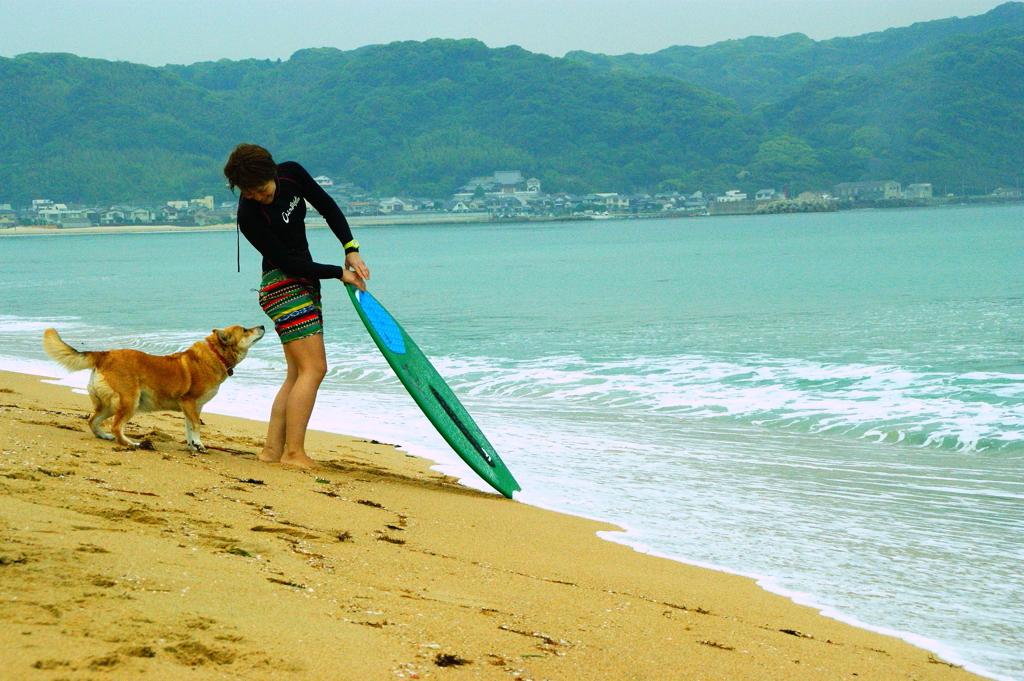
(101, 408)
(102, 413)
(123, 411)
(192, 424)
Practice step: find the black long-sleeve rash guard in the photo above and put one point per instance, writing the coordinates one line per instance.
(278, 229)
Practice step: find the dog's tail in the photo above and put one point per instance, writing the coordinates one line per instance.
(65, 355)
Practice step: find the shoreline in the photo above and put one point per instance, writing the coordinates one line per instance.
(24, 230)
(413, 219)
(355, 221)
(548, 597)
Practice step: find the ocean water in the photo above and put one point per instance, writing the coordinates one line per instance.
(831, 403)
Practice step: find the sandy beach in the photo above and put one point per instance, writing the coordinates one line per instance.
(159, 564)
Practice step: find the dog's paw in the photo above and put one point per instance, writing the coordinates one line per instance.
(197, 446)
(103, 436)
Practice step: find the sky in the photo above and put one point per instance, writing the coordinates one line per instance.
(188, 31)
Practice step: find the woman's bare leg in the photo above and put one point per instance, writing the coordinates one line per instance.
(289, 416)
(273, 449)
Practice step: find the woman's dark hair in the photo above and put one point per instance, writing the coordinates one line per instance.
(249, 166)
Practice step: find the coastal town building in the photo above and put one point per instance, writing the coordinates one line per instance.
(204, 202)
(76, 218)
(49, 211)
(869, 191)
(395, 204)
(696, 201)
(920, 190)
(141, 215)
(731, 195)
(613, 201)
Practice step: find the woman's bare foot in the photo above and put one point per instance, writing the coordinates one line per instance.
(269, 455)
(298, 459)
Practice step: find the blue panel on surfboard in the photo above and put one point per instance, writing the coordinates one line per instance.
(382, 322)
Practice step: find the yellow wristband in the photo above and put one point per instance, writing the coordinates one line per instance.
(352, 244)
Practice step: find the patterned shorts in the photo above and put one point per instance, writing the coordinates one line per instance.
(293, 305)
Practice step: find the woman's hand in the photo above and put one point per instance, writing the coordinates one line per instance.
(351, 277)
(354, 261)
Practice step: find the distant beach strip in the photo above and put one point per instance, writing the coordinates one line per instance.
(446, 218)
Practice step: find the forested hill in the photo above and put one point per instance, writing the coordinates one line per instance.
(758, 70)
(945, 106)
(952, 115)
(424, 117)
(421, 118)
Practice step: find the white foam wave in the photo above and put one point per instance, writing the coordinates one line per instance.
(890, 403)
(969, 412)
(20, 325)
(33, 367)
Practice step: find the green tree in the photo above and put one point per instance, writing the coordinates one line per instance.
(785, 159)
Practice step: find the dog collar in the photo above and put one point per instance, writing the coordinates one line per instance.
(223, 361)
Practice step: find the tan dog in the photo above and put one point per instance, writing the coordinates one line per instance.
(126, 381)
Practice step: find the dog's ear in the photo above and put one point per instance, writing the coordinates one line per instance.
(224, 338)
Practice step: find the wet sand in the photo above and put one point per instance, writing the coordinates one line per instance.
(156, 563)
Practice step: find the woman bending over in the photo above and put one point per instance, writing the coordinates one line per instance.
(271, 215)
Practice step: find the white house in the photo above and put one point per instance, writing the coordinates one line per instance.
(205, 202)
(141, 215)
(731, 195)
(919, 190)
(50, 211)
(74, 218)
(115, 215)
(614, 201)
(392, 205)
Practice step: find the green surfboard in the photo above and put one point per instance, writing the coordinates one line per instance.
(432, 394)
